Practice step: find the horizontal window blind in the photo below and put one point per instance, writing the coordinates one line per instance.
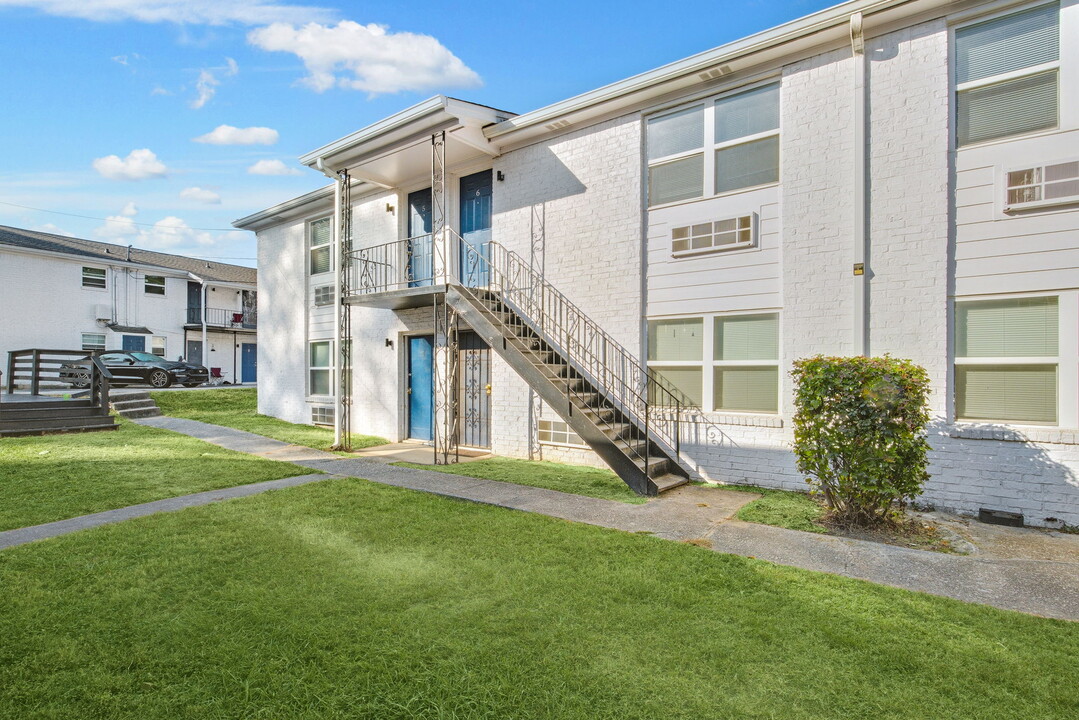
(746, 337)
(320, 232)
(1016, 393)
(679, 180)
(1007, 328)
(1023, 105)
(747, 113)
(676, 339)
(1008, 43)
(689, 380)
(746, 389)
(748, 164)
(676, 133)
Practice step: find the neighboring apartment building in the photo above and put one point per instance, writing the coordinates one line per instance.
(63, 293)
(880, 177)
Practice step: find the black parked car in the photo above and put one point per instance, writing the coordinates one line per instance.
(138, 368)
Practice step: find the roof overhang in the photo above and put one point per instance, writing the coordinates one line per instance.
(289, 210)
(829, 26)
(397, 150)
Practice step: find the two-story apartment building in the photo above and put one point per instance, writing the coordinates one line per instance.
(627, 276)
(65, 293)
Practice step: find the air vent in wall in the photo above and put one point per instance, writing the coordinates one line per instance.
(716, 72)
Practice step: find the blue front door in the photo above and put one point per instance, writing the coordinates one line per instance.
(475, 228)
(420, 258)
(249, 362)
(134, 343)
(421, 389)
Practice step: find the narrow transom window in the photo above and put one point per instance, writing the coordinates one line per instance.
(1007, 75)
(1045, 185)
(1007, 359)
(93, 341)
(556, 432)
(322, 416)
(320, 235)
(324, 295)
(154, 285)
(93, 277)
(728, 234)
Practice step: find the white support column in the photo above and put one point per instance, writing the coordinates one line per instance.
(335, 262)
(860, 271)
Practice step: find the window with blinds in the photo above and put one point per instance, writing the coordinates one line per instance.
(746, 363)
(1007, 75)
(319, 237)
(726, 363)
(728, 144)
(1007, 358)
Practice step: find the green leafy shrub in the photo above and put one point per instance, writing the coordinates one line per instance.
(859, 433)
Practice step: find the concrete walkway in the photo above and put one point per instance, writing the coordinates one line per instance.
(1048, 587)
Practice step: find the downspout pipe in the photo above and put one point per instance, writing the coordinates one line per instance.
(860, 334)
(335, 263)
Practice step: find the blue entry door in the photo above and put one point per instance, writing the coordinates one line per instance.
(421, 388)
(475, 228)
(420, 248)
(249, 362)
(134, 343)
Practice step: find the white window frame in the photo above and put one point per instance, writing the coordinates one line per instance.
(104, 279)
(328, 369)
(551, 432)
(708, 145)
(754, 225)
(1066, 360)
(708, 361)
(1034, 204)
(309, 235)
(164, 345)
(146, 285)
(94, 345)
(959, 88)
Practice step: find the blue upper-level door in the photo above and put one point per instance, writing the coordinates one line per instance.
(420, 258)
(475, 228)
(134, 343)
(421, 387)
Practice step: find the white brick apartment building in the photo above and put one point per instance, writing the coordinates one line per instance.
(63, 293)
(880, 177)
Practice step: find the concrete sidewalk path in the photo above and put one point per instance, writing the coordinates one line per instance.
(1047, 587)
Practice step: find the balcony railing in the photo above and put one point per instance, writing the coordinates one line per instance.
(223, 318)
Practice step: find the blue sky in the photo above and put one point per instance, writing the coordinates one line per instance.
(103, 99)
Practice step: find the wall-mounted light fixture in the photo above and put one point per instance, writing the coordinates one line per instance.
(389, 207)
(499, 176)
(389, 342)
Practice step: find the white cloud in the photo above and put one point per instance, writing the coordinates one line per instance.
(171, 233)
(138, 165)
(366, 57)
(158, 90)
(118, 227)
(193, 12)
(207, 82)
(229, 135)
(272, 167)
(54, 229)
(200, 195)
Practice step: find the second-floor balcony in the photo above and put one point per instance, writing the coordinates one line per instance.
(223, 318)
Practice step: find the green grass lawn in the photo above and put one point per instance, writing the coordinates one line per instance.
(794, 510)
(347, 599)
(54, 477)
(576, 479)
(239, 409)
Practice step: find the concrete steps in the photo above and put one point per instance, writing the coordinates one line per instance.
(134, 404)
(48, 417)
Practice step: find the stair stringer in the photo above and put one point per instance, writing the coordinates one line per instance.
(475, 315)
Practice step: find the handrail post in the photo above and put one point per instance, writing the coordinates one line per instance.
(11, 372)
(35, 382)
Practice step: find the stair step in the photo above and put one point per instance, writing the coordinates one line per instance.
(125, 404)
(140, 412)
(43, 405)
(54, 424)
(669, 482)
(15, 412)
(127, 395)
(657, 466)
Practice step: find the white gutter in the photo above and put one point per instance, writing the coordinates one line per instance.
(335, 260)
(860, 336)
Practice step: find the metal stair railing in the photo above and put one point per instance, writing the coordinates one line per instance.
(653, 407)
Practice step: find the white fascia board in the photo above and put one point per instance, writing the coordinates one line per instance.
(283, 211)
(656, 82)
